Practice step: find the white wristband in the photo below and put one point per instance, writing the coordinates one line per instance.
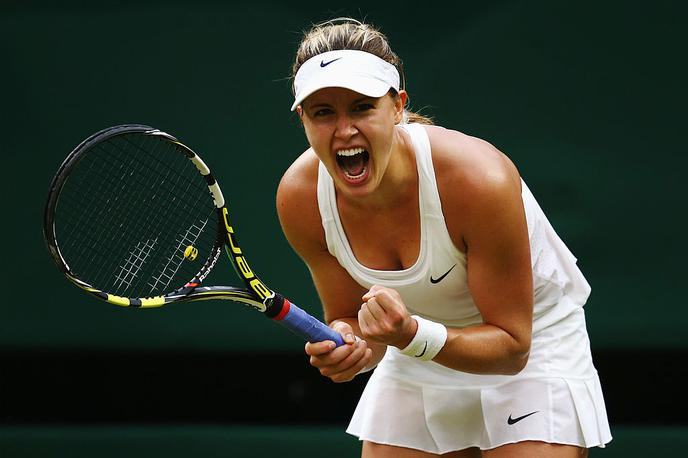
(428, 341)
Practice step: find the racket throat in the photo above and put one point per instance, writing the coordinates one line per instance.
(276, 307)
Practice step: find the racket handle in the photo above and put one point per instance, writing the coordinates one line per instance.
(300, 322)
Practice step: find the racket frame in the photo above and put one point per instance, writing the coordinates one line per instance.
(256, 294)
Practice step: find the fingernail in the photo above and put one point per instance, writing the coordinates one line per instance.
(350, 338)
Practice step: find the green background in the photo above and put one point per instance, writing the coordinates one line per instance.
(587, 98)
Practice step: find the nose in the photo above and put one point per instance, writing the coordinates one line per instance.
(344, 127)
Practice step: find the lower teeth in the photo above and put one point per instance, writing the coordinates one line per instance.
(356, 176)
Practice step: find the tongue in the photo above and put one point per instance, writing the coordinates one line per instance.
(353, 165)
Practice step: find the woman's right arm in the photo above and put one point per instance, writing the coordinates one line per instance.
(341, 296)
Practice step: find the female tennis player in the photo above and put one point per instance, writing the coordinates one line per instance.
(436, 264)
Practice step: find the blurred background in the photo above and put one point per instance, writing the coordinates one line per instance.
(587, 98)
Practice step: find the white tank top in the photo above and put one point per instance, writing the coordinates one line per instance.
(436, 287)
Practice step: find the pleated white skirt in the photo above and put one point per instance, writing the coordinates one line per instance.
(557, 398)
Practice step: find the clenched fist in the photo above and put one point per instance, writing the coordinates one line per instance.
(384, 319)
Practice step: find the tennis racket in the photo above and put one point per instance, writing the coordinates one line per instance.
(135, 218)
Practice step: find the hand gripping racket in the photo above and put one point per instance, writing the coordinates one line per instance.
(135, 218)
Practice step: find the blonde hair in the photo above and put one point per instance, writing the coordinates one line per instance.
(348, 33)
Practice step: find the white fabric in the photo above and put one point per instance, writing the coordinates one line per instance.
(441, 419)
(559, 286)
(449, 301)
(426, 406)
(429, 339)
(359, 71)
(452, 410)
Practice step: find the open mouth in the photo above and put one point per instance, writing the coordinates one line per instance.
(353, 162)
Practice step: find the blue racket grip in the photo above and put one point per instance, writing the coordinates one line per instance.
(301, 323)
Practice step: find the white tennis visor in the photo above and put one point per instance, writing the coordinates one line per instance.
(359, 71)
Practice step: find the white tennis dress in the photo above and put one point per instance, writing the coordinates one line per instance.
(556, 398)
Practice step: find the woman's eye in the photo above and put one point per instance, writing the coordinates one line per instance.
(322, 112)
(364, 107)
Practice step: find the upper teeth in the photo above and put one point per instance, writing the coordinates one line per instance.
(350, 152)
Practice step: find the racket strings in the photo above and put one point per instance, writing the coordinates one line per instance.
(139, 193)
(176, 259)
(127, 213)
(133, 263)
(88, 204)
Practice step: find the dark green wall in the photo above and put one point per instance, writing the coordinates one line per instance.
(586, 97)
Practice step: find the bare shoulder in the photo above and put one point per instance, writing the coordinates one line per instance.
(467, 156)
(297, 204)
(473, 177)
(300, 179)
(469, 164)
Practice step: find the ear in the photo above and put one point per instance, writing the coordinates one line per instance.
(299, 111)
(399, 104)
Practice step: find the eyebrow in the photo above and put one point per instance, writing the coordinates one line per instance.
(358, 100)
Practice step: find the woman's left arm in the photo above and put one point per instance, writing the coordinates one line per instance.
(500, 278)
(486, 218)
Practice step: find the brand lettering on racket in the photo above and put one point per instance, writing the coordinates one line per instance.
(244, 268)
(230, 234)
(212, 264)
(260, 289)
(256, 285)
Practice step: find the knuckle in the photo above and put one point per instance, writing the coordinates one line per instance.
(373, 331)
(397, 319)
(341, 327)
(319, 361)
